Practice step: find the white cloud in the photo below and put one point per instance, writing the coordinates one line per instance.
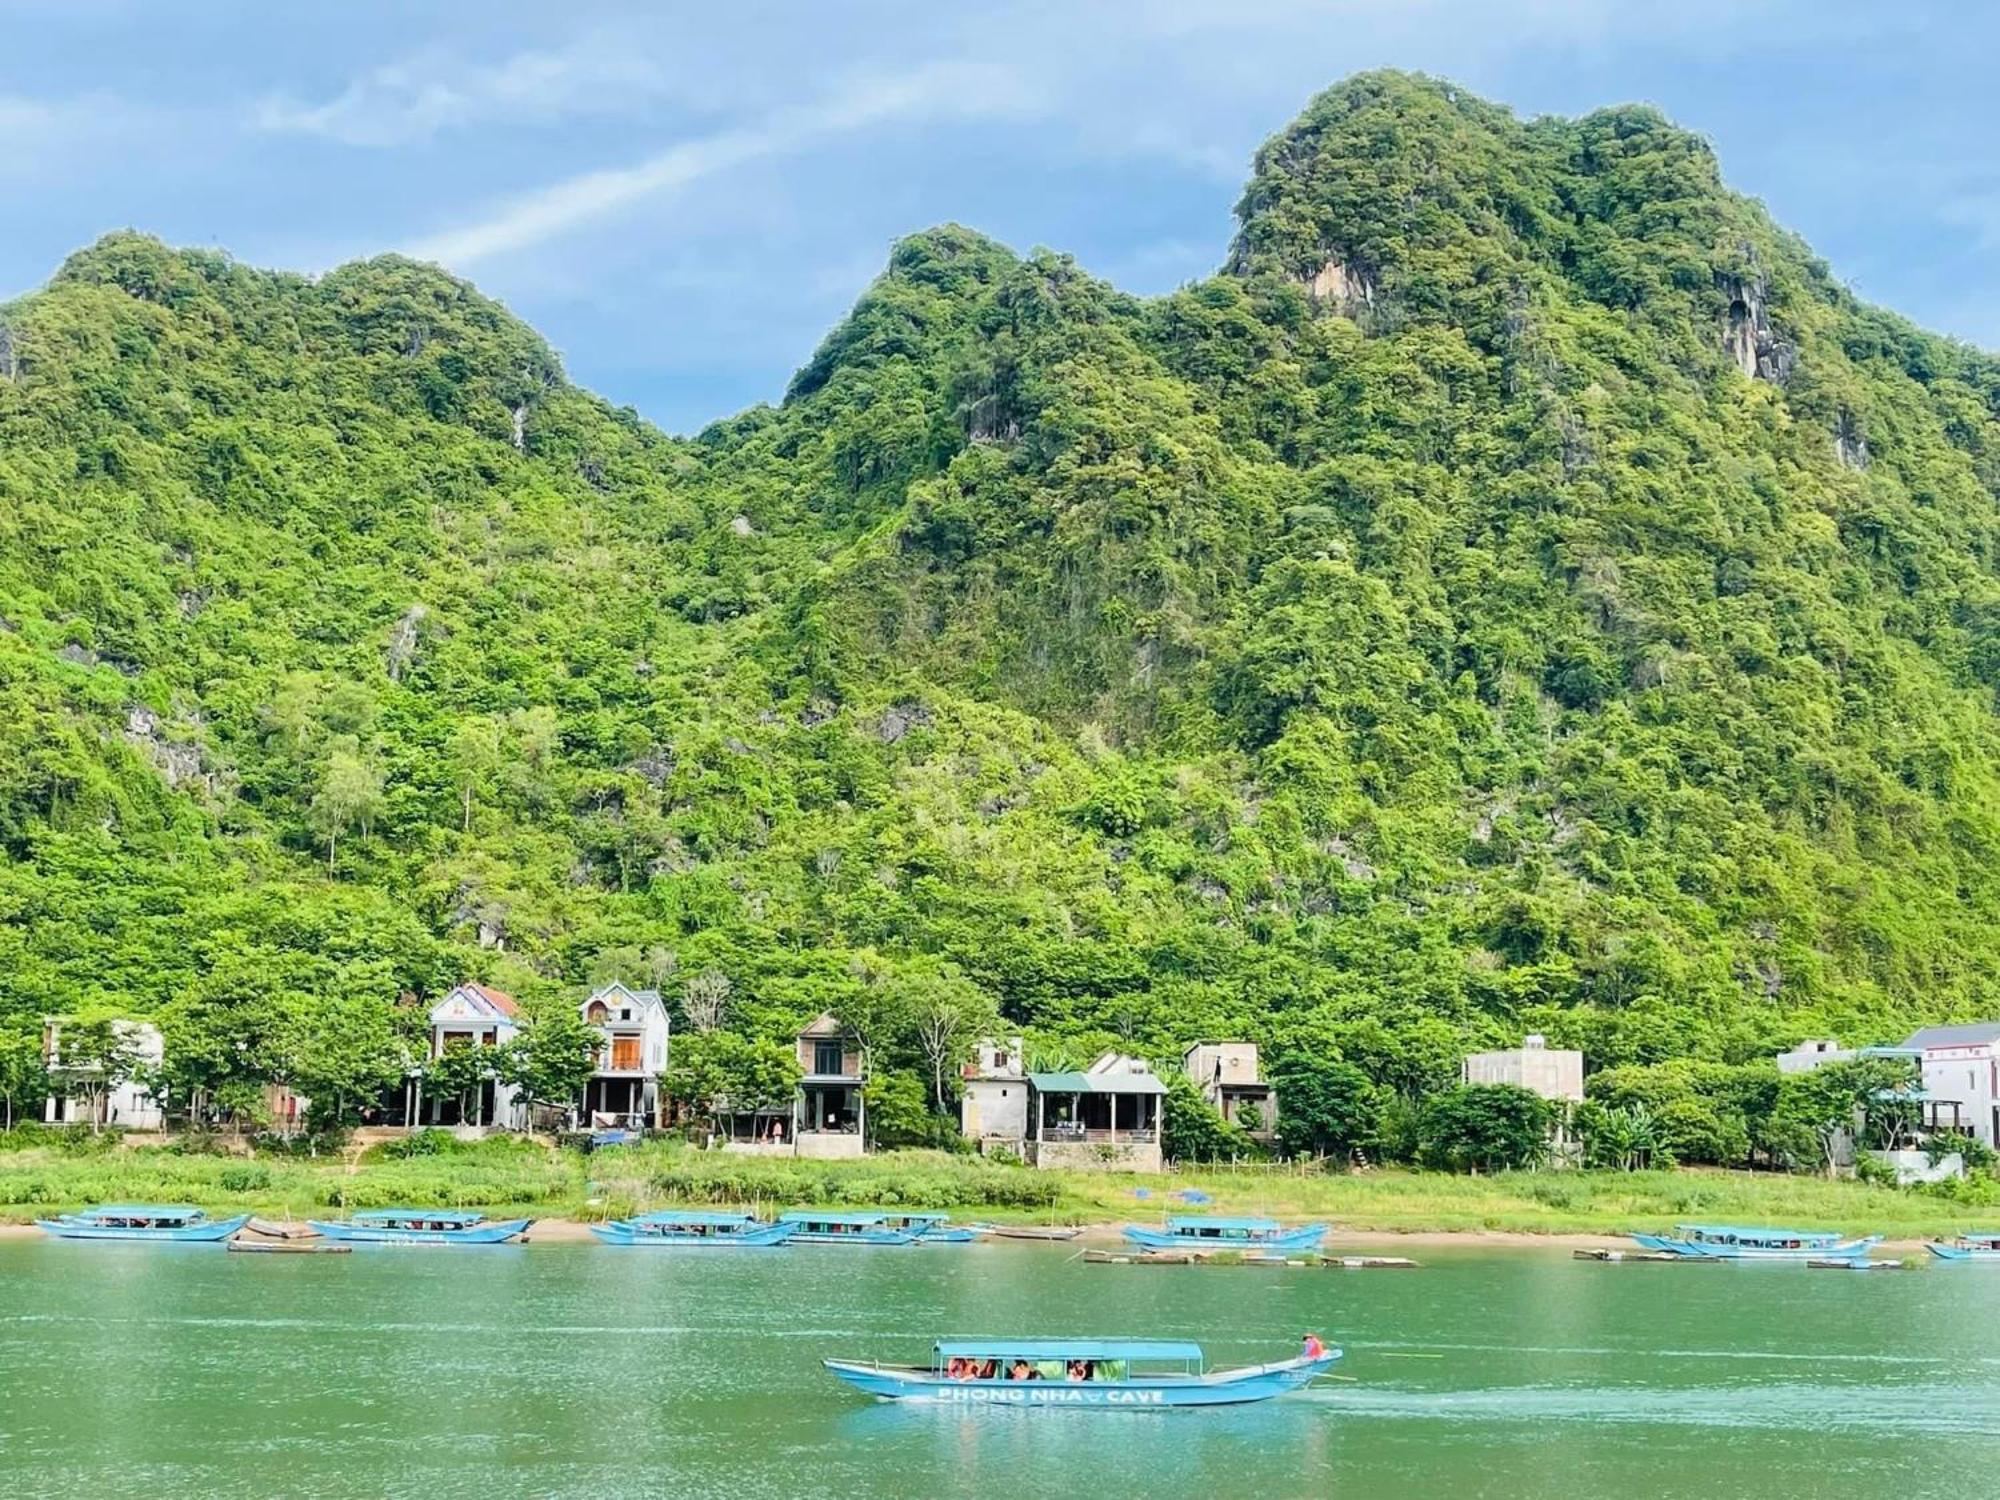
(416, 97)
(943, 90)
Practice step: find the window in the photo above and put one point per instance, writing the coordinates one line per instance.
(826, 1056)
(625, 1054)
(999, 1059)
(597, 1015)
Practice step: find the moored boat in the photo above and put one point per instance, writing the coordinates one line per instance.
(933, 1229)
(694, 1230)
(421, 1226)
(1104, 1373)
(816, 1226)
(1731, 1242)
(1034, 1231)
(1209, 1232)
(177, 1223)
(1981, 1245)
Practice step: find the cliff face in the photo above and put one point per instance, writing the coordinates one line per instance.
(1521, 590)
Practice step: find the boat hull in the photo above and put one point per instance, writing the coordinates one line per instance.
(1224, 1388)
(763, 1238)
(382, 1234)
(185, 1234)
(1702, 1250)
(947, 1236)
(861, 1237)
(1961, 1252)
(1306, 1237)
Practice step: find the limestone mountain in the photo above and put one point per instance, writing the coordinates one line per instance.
(1523, 588)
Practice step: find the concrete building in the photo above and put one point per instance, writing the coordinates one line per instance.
(827, 1116)
(1554, 1073)
(1228, 1077)
(1961, 1077)
(624, 1091)
(993, 1102)
(78, 1101)
(472, 1015)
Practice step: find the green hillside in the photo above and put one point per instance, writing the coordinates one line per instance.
(1521, 590)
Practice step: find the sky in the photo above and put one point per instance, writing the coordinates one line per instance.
(684, 199)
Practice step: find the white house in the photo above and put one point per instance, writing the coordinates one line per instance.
(624, 1091)
(993, 1102)
(1109, 1115)
(1961, 1071)
(1552, 1072)
(125, 1103)
(472, 1015)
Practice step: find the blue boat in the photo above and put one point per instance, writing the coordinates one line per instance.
(1205, 1232)
(815, 1226)
(174, 1223)
(933, 1229)
(1128, 1374)
(421, 1226)
(1982, 1245)
(694, 1230)
(1730, 1242)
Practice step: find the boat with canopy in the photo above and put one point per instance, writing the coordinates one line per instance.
(172, 1222)
(933, 1229)
(1982, 1244)
(1732, 1242)
(1212, 1232)
(689, 1229)
(421, 1226)
(1108, 1373)
(818, 1226)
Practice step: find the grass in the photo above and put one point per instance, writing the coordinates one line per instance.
(513, 1175)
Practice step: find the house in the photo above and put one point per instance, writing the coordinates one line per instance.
(1228, 1077)
(993, 1099)
(77, 1101)
(1109, 1115)
(826, 1116)
(1812, 1053)
(1961, 1077)
(1552, 1072)
(624, 1090)
(472, 1015)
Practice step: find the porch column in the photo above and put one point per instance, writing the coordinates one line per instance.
(1114, 1117)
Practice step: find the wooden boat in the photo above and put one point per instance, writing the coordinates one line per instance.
(1113, 1373)
(173, 1223)
(1207, 1232)
(421, 1226)
(817, 1226)
(1729, 1242)
(288, 1247)
(1034, 1231)
(1983, 1245)
(933, 1229)
(694, 1230)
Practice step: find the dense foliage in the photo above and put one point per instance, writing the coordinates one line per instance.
(1523, 590)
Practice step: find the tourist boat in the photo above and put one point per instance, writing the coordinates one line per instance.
(814, 1226)
(175, 1223)
(707, 1231)
(1203, 1232)
(1981, 1245)
(1044, 1372)
(1728, 1242)
(421, 1226)
(1033, 1231)
(933, 1229)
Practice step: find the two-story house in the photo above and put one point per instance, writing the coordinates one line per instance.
(624, 1090)
(826, 1115)
(1961, 1072)
(472, 1015)
(1228, 1076)
(82, 1096)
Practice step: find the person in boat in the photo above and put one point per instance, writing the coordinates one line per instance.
(990, 1370)
(1310, 1347)
(1079, 1369)
(1020, 1370)
(954, 1368)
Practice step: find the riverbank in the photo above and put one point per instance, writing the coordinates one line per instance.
(513, 1176)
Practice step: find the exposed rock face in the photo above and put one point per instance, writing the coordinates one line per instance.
(403, 643)
(178, 762)
(899, 720)
(1756, 348)
(1850, 443)
(740, 526)
(9, 365)
(1347, 289)
(520, 415)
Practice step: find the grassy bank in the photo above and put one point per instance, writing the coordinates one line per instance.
(530, 1177)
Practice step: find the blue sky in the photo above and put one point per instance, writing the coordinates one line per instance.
(684, 198)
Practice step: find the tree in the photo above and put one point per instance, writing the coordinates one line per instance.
(1484, 1128)
(715, 1073)
(705, 1000)
(350, 792)
(92, 1059)
(1325, 1107)
(23, 1076)
(1852, 1101)
(460, 1074)
(342, 1051)
(1623, 1137)
(948, 1012)
(551, 1059)
(475, 753)
(1194, 1128)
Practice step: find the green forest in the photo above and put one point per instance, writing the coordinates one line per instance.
(1523, 589)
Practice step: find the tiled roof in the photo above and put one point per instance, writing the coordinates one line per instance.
(1956, 1036)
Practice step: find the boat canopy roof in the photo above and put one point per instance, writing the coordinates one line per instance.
(829, 1216)
(692, 1216)
(181, 1211)
(1067, 1349)
(921, 1216)
(439, 1215)
(1211, 1221)
(1734, 1231)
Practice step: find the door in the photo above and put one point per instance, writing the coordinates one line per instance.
(625, 1054)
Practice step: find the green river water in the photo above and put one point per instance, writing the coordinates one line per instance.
(583, 1370)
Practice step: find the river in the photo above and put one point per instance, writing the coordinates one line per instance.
(582, 1370)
